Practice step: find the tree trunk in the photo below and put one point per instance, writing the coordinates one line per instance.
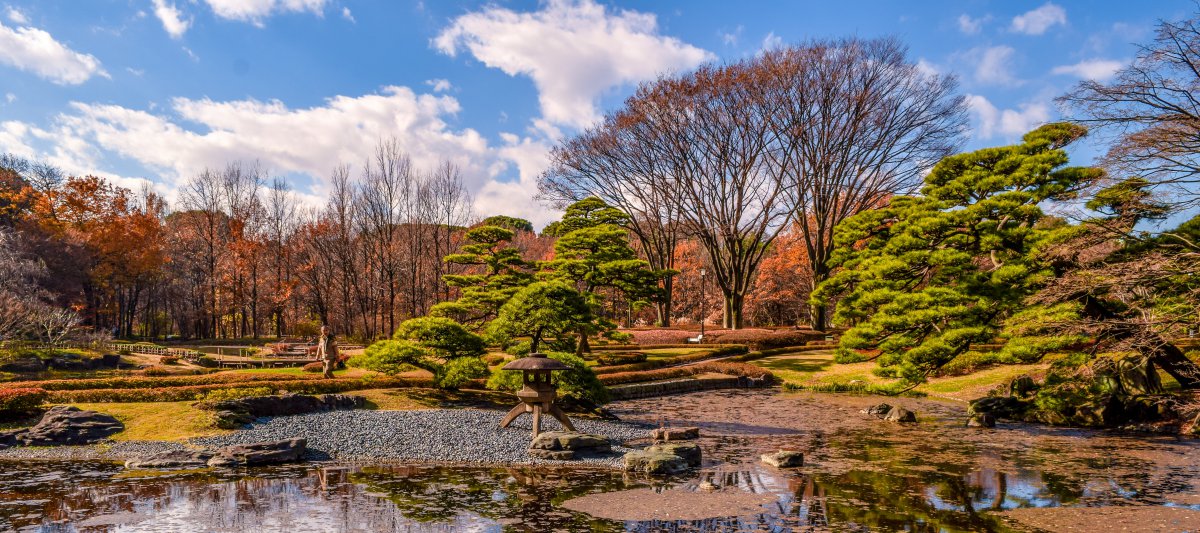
(583, 346)
(1166, 355)
(663, 307)
(731, 311)
(817, 319)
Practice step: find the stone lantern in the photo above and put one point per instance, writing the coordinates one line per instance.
(537, 396)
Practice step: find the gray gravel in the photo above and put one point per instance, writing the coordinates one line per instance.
(449, 435)
(106, 451)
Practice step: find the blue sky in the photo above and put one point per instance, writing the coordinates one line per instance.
(153, 91)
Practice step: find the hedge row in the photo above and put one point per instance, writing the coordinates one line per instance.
(722, 351)
(759, 354)
(198, 392)
(136, 382)
(718, 367)
(21, 399)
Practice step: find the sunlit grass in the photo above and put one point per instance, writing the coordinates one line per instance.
(158, 420)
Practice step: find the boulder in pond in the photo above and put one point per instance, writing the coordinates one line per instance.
(65, 424)
(1021, 386)
(673, 433)
(260, 453)
(784, 459)
(689, 451)
(981, 420)
(170, 459)
(902, 415)
(653, 462)
(877, 411)
(564, 445)
(999, 407)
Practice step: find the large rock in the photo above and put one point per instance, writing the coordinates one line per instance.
(902, 415)
(1021, 386)
(24, 365)
(653, 462)
(877, 411)
(564, 445)
(10, 438)
(669, 434)
(170, 459)
(999, 407)
(981, 420)
(289, 404)
(784, 459)
(234, 414)
(69, 425)
(260, 453)
(689, 451)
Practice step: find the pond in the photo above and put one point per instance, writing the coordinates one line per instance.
(861, 474)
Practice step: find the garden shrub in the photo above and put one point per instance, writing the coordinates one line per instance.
(718, 367)
(305, 385)
(580, 381)
(460, 371)
(168, 359)
(313, 367)
(219, 395)
(494, 359)
(394, 357)
(155, 371)
(763, 339)
(442, 336)
(207, 361)
(661, 336)
(619, 336)
(621, 358)
(21, 399)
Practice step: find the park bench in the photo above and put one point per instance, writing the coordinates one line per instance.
(695, 340)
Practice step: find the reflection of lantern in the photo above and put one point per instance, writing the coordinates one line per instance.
(537, 396)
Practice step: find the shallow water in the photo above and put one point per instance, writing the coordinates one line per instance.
(861, 474)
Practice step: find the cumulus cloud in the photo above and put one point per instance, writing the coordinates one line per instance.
(516, 197)
(171, 18)
(16, 16)
(439, 85)
(971, 26)
(1039, 20)
(36, 51)
(346, 14)
(989, 121)
(574, 51)
(254, 11)
(1091, 69)
(308, 141)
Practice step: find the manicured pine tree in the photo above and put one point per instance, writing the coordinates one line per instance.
(500, 272)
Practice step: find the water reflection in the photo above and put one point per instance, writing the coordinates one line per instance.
(860, 478)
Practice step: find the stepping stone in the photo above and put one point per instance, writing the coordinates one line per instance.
(690, 452)
(784, 459)
(653, 462)
(669, 434)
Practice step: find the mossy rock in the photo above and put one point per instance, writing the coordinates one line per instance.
(690, 452)
(654, 462)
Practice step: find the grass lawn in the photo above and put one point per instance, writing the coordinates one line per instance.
(819, 368)
(158, 420)
(670, 353)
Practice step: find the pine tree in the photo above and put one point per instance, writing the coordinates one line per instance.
(500, 272)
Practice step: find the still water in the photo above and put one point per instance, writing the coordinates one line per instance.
(860, 475)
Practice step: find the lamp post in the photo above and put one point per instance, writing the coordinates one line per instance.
(703, 302)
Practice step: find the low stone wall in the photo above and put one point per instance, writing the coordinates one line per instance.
(680, 386)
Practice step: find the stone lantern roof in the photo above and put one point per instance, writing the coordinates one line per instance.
(536, 361)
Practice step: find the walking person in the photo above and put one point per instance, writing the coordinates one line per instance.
(327, 351)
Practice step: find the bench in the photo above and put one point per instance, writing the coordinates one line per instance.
(695, 340)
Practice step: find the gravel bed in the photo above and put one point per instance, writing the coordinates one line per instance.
(444, 435)
(106, 451)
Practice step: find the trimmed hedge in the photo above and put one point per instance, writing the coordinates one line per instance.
(163, 382)
(719, 367)
(21, 399)
(197, 392)
(722, 351)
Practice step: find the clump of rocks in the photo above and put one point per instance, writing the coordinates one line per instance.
(566, 445)
(891, 413)
(784, 459)
(254, 454)
(64, 425)
(668, 455)
(235, 414)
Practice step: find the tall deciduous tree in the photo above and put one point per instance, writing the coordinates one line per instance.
(1150, 112)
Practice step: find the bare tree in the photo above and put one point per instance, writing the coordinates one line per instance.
(854, 122)
(1150, 113)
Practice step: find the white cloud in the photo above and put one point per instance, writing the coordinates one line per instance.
(171, 18)
(971, 26)
(14, 138)
(1091, 69)
(1007, 123)
(135, 71)
(254, 11)
(439, 85)
(772, 41)
(516, 198)
(1039, 20)
(191, 55)
(574, 51)
(990, 65)
(34, 50)
(9, 98)
(346, 14)
(16, 16)
(731, 38)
